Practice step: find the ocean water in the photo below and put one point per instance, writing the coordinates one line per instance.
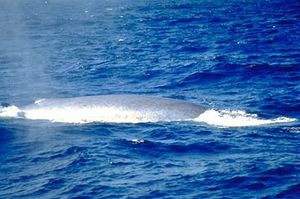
(239, 58)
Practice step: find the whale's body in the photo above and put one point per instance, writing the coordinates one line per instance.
(131, 109)
(112, 108)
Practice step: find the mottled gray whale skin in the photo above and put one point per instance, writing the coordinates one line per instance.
(162, 109)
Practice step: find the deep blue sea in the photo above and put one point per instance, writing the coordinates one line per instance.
(239, 56)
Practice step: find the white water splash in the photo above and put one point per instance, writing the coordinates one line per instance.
(226, 118)
(10, 111)
(137, 141)
(38, 101)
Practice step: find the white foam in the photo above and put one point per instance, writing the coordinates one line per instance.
(227, 118)
(38, 101)
(10, 111)
(137, 141)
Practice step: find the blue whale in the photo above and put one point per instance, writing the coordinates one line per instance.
(131, 109)
(112, 108)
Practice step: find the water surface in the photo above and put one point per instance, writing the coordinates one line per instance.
(227, 55)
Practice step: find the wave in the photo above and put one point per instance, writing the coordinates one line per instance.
(82, 115)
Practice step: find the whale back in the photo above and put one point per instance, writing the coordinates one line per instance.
(124, 107)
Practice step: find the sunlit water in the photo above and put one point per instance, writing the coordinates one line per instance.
(238, 58)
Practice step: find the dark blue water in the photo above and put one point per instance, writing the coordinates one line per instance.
(231, 55)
